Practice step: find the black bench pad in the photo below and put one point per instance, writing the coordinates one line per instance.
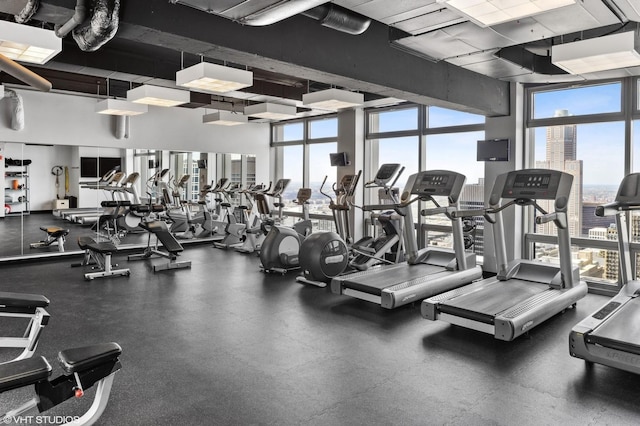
(17, 374)
(104, 247)
(159, 228)
(22, 300)
(86, 357)
(55, 231)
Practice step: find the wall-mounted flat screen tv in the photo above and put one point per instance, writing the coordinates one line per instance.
(338, 159)
(494, 150)
(91, 167)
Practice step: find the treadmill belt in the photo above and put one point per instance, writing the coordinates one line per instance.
(375, 283)
(621, 331)
(494, 298)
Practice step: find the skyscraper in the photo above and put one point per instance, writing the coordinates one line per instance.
(561, 151)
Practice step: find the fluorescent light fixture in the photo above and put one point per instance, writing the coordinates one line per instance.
(159, 96)
(492, 12)
(214, 78)
(25, 43)
(120, 107)
(598, 54)
(270, 111)
(332, 99)
(224, 118)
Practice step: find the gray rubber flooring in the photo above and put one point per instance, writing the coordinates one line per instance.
(225, 344)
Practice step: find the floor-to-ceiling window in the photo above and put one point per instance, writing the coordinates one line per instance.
(302, 155)
(422, 138)
(583, 130)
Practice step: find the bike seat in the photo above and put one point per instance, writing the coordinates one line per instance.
(25, 372)
(87, 357)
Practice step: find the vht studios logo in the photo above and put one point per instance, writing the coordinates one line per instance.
(40, 420)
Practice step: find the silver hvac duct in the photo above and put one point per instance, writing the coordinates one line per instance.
(101, 28)
(17, 115)
(339, 18)
(122, 126)
(79, 15)
(27, 12)
(23, 74)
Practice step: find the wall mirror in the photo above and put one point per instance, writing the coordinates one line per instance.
(43, 184)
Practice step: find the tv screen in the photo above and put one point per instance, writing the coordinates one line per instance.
(202, 164)
(338, 159)
(107, 163)
(494, 150)
(89, 167)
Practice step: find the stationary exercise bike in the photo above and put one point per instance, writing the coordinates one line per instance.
(281, 247)
(328, 254)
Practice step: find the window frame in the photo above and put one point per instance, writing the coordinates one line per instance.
(629, 112)
(421, 132)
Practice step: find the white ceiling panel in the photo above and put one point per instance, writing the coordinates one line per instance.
(576, 18)
(382, 10)
(480, 38)
(437, 45)
(474, 58)
(428, 22)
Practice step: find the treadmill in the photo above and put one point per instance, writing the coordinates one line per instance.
(611, 335)
(427, 271)
(524, 293)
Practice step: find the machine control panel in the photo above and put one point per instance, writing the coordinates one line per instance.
(536, 184)
(438, 183)
(386, 172)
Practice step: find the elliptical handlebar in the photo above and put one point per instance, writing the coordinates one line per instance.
(322, 187)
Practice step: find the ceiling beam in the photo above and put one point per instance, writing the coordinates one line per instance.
(301, 47)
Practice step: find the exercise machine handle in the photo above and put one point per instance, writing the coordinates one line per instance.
(448, 210)
(467, 213)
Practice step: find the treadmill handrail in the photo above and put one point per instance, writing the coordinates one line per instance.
(558, 218)
(615, 207)
(394, 206)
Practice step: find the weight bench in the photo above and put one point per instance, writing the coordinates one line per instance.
(171, 246)
(99, 254)
(55, 235)
(83, 367)
(24, 305)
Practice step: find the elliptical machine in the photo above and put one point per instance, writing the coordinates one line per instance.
(281, 247)
(327, 255)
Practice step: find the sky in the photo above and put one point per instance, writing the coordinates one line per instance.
(600, 145)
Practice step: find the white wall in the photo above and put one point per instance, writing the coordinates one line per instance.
(42, 183)
(62, 119)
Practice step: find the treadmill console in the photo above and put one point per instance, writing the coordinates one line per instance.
(629, 190)
(442, 183)
(536, 184)
(386, 172)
